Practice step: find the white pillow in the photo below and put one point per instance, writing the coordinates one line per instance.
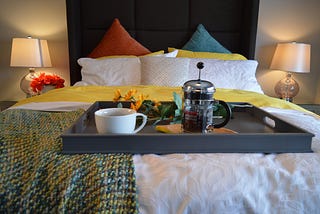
(110, 71)
(232, 74)
(164, 71)
(171, 54)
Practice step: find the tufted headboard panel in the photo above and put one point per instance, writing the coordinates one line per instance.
(161, 24)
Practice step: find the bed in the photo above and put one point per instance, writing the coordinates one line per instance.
(36, 177)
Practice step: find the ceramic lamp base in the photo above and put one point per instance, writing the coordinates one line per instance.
(25, 82)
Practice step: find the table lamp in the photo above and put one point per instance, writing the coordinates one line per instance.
(31, 53)
(290, 57)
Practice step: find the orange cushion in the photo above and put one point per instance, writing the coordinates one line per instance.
(117, 41)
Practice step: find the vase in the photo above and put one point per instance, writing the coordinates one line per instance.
(47, 88)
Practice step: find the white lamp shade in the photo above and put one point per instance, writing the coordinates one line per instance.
(28, 52)
(46, 61)
(292, 57)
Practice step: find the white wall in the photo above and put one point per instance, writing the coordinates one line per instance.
(279, 21)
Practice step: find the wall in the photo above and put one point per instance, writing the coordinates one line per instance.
(285, 21)
(279, 21)
(317, 99)
(44, 19)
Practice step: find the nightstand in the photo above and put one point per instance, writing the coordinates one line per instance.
(311, 107)
(6, 104)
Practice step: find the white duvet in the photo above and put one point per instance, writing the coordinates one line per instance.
(233, 183)
(229, 183)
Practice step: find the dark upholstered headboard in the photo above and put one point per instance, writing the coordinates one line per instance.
(159, 24)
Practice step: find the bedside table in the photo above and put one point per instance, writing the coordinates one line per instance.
(6, 104)
(311, 107)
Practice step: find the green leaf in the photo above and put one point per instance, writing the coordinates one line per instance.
(165, 111)
(178, 112)
(177, 99)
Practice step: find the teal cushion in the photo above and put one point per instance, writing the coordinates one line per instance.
(201, 40)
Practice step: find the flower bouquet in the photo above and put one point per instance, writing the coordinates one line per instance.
(37, 84)
(155, 110)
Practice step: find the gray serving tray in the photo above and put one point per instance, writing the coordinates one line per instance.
(258, 131)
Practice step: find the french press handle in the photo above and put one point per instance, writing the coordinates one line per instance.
(227, 117)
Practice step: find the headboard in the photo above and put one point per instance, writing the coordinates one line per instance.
(159, 24)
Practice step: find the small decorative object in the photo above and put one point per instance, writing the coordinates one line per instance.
(290, 57)
(155, 110)
(199, 106)
(31, 53)
(45, 82)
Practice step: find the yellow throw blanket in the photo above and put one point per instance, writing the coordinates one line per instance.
(91, 94)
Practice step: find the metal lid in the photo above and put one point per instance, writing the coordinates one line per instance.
(198, 89)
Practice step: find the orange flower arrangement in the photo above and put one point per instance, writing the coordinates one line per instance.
(43, 79)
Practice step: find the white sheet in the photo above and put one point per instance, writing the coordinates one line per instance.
(233, 183)
(227, 183)
(54, 106)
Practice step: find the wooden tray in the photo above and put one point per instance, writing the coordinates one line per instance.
(257, 131)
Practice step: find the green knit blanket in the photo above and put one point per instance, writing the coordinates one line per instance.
(36, 178)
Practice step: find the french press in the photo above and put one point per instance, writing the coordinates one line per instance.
(199, 105)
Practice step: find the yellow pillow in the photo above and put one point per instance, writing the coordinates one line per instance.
(155, 53)
(210, 55)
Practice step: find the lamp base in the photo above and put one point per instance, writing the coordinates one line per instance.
(287, 88)
(25, 82)
(289, 99)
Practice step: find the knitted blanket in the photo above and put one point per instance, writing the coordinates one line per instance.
(36, 178)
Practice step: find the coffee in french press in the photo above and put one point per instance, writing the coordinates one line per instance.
(199, 105)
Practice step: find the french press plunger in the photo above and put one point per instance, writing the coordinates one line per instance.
(199, 105)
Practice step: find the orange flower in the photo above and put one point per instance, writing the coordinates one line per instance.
(117, 95)
(130, 94)
(136, 105)
(43, 79)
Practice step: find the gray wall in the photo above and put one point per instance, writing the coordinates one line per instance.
(279, 21)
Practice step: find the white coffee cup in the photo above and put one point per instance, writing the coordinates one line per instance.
(118, 121)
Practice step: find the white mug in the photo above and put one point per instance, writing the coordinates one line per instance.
(118, 121)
